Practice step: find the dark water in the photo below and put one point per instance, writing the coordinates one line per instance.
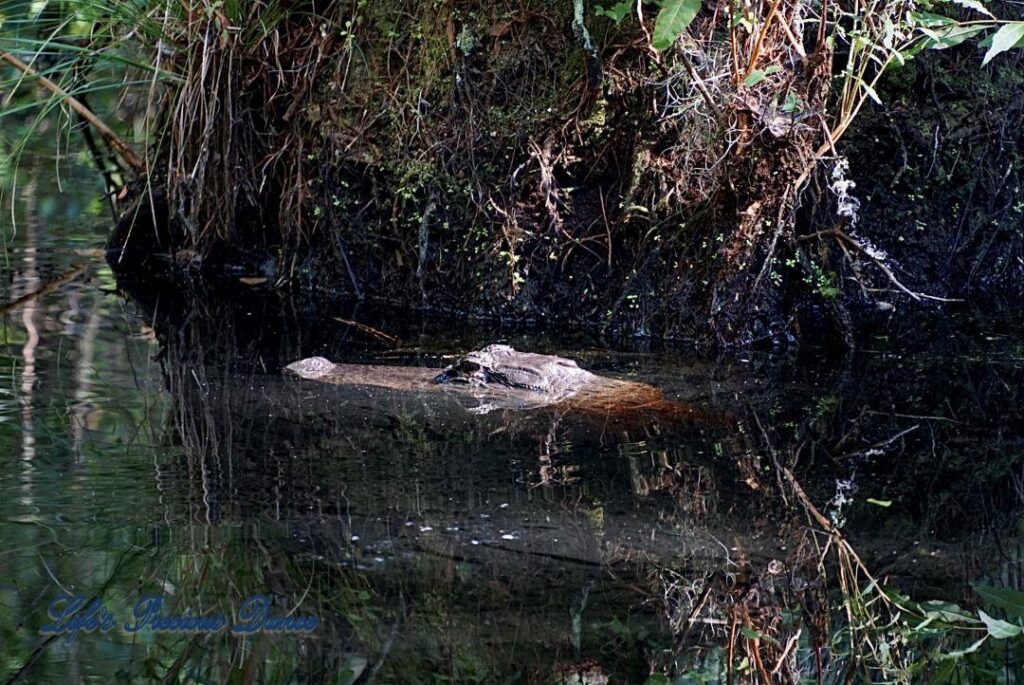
(150, 445)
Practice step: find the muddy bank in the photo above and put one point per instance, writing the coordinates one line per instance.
(938, 170)
(481, 160)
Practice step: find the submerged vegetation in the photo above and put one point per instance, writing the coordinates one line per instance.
(670, 168)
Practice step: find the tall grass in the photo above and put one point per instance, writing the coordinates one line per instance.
(155, 79)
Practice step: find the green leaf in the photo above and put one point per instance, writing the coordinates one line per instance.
(792, 103)
(960, 653)
(353, 668)
(929, 20)
(1008, 36)
(886, 503)
(947, 612)
(750, 633)
(998, 628)
(973, 5)
(674, 17)
(616, 12)
(756, 76)
(949, 36)
(1010, 601)
(869, 91)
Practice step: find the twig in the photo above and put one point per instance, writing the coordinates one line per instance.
(348, 266)
(129, 155)
(853, 242)
(923, 417)
(71, 275)
(760, 39)
(701, 88)
(879, 445)
(30, 659)
(388, 643)
(369, 329)
(785, 653)
(808, 505)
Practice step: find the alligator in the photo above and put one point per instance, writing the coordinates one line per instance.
(500, 377)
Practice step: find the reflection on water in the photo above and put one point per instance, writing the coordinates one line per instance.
(151, 445)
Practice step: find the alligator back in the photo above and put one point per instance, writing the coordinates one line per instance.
(499, 377)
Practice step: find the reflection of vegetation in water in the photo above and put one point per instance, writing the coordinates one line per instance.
(764, 618)
(831, 620)
(206, 477)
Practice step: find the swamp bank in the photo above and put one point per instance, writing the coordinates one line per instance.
(712, 172)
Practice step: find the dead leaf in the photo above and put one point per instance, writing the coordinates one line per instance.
(499, 28)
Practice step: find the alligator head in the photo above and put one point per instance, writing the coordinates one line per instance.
(504, 366)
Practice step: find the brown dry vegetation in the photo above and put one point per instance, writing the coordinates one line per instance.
(471, 158)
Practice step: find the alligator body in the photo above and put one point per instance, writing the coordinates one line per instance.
(500, 377)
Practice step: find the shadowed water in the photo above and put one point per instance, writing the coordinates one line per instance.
(149, 444)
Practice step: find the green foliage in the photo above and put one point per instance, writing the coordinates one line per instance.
(674, 18)
(1008, 36)
(973, 5)
(1009, 601)
(948, 643)
(616, 12)
(758, 75)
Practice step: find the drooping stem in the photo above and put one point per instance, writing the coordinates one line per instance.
(130, 157)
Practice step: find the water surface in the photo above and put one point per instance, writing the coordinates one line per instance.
(149, 444)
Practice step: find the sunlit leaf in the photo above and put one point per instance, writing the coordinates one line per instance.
(756, 76)
(929, 20)
(947, 612)
(973, 5)
(1008, 36)
(960, 653)
(879, 502)
(998, 628)
(949, 36)
(869, 91)
(674, 17)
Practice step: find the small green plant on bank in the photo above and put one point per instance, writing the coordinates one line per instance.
(830, 620)
(955, 644)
